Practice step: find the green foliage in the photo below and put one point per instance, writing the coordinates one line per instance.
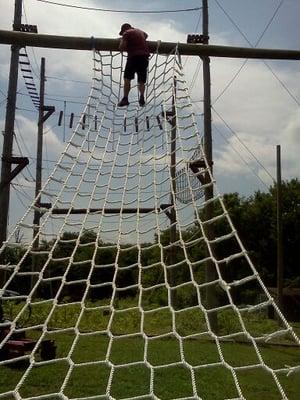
(254, 219)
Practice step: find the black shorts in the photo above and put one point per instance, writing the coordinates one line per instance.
(139, 65)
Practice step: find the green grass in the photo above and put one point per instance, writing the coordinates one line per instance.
(83, 357)
(215, 382)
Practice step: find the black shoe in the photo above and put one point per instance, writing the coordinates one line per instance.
(124, 102)
(142, 101)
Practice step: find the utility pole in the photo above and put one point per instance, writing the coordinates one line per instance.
(39, 159)
(173, 123)
(7, 161)
(170, 117)
(39, 153)
(279, 232)
(173, 219)
(210, 270)
(38, 172)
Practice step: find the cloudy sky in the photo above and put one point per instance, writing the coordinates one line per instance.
(255, 104)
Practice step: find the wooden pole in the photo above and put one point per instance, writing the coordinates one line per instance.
(38, 175)
(173, 121)
(9, 127)
(280, 267)
(82, 43)
(39, 153)
(210, 270)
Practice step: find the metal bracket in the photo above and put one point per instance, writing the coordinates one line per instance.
(28, 28)
(168, 115)
(50, 110)
(43, 205)
(195, 166)
(196, 38)
(164, 208)
(21, 164)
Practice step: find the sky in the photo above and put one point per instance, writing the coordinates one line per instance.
(255, 103)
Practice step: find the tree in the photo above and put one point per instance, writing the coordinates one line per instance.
(255, 221)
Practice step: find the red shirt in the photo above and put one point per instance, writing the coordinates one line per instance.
(136, 44)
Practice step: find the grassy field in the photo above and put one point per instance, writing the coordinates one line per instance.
(213, 382)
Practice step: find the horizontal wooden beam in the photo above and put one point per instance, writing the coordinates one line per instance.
(105, 211)
(82, 43)
(162, 207)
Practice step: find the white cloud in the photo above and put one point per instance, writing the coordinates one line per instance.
(291, 146)
(256, 106)
(28, 133)
(292, 129)
(261, 113)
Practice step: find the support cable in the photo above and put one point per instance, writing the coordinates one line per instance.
(253, 46)
(59, 100)
(119, 11)
(256, 44)
(237, 152)
(2, 102)
(195, 30)
(196, 73)
(67, 80)
(241, 157)
(243, 144)
(4, 95)
(27, 168)
(18, 193)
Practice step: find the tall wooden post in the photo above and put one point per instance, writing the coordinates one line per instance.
(279, 231)
(9, 127)
(170, 116)
(39, 159)
(39, 153)
(38, 172)
(210, 271)
(173, 178)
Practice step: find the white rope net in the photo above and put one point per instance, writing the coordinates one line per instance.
(117, 281)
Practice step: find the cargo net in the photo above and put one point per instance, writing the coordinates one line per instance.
(134, 285)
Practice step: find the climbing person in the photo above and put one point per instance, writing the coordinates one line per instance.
(134, 42)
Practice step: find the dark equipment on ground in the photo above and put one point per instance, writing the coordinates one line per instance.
(18, 344)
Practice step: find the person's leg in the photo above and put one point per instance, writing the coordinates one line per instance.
(128, 75)
(127, 87)
(142, 77)
(124, 102)
(141, 86)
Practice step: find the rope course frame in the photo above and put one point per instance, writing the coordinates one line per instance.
(123, 149)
